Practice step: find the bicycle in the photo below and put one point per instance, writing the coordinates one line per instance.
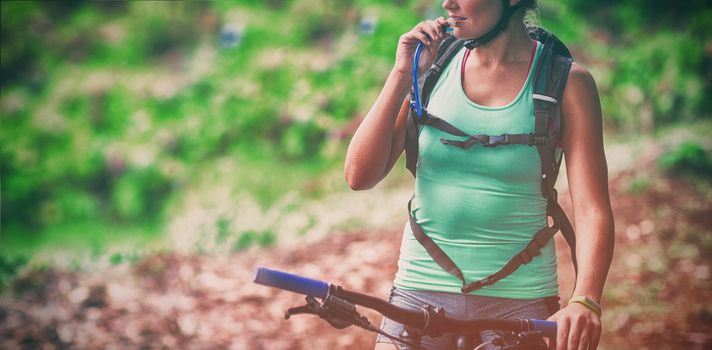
(338, 308)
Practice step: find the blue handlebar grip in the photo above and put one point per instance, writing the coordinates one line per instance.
(547, 328)
(294, 283)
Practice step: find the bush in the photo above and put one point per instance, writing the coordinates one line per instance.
(76, 110)
(9, 268)
(140, 194)
(688, 158)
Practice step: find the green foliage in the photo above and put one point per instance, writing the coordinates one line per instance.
(116, 259)
(139, 194)
(250, 238)
(9, 268)
(636, 15)
(638, 184)
(648, 58)
(23, 25)
(302, 140)
(688, 158)
(657, 81)
(111, 110)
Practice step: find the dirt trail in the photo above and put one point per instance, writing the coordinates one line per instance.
(662, 265)
(196, 302)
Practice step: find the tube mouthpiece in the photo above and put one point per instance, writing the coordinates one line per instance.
(450, 23)
(450, 26)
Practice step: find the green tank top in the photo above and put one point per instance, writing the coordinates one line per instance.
(480, 205)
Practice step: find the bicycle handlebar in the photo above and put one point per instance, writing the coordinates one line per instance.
(415, 318)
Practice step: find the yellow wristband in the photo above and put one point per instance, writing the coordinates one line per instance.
(587, 302)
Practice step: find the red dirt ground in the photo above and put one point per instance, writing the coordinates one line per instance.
(657, 291)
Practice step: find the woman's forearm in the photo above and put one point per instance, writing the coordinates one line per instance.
(587, 173)
(372, 147)
(595, 239)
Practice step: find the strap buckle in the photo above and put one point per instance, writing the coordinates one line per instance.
(477, 284)
(483, 139)
(532, 250)
(414, 108)
(494, 140)
(534, 140)
(553, 196)
(525, 257)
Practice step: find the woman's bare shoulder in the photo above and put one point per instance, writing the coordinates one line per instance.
(581, 98)
(580, 81)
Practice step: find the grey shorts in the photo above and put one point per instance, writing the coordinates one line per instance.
(465, 306)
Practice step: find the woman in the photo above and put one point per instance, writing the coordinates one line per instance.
(480, 204)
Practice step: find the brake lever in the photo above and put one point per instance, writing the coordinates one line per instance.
(305, 309)
(311, 308)
(337, 315)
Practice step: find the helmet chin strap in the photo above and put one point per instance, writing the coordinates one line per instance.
(507, 12)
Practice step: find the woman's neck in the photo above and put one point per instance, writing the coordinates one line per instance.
(512, 45)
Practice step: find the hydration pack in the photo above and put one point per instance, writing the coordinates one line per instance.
(549, 79)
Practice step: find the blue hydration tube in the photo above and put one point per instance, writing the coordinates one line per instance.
(417, 105)
(416, 89)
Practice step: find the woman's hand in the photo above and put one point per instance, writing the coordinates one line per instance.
(577, 328)
(380, 138)
(408, 42)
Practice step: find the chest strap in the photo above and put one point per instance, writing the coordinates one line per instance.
(485, 140)
(496, 140)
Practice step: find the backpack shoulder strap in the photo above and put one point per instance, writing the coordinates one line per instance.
(427, 82)
(550, 78)
(550, 75)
